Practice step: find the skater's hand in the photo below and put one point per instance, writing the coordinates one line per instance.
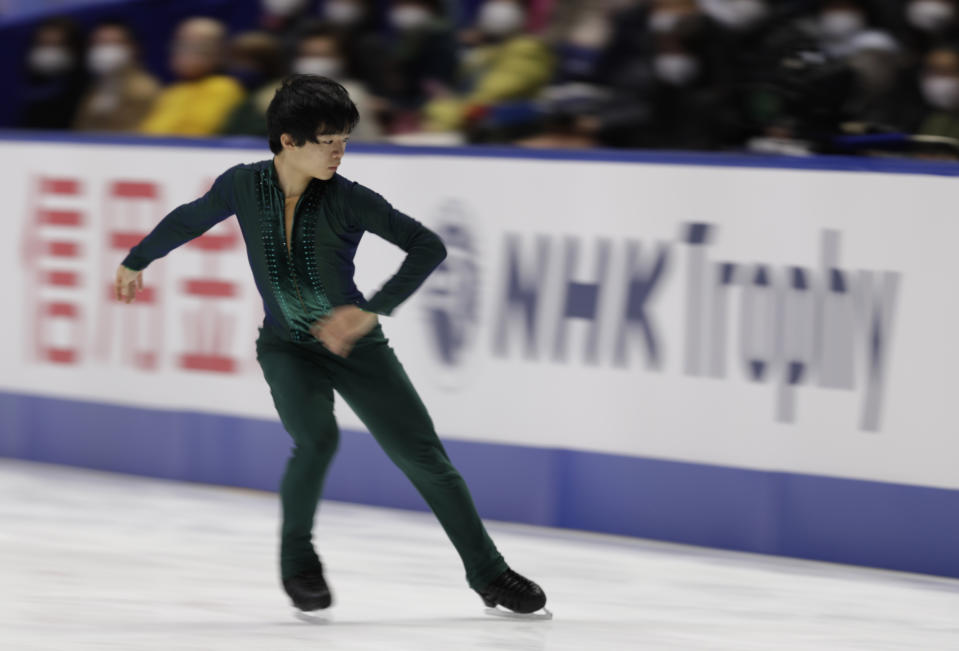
(339, 330)
(128, 283)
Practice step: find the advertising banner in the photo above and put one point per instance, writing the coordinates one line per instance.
(769, 319)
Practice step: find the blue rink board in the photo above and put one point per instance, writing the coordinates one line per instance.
(876, 524)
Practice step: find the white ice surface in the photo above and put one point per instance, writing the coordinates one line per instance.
(98, 561)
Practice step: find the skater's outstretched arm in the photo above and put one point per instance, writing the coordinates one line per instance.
(367, 210)
(183, 224)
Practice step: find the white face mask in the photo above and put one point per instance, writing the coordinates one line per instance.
(930, 15)
(735, 14)
(322, 66)
(676, 69)
(283, 7)
(50, 59)
(409, 18)
(841, 23)
(501, 17)
(941, 91)
(663, 22)
(343, 12)
(107, 59)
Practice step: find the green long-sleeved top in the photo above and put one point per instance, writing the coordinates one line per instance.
(329, 219)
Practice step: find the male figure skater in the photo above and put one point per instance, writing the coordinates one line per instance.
(302, 222)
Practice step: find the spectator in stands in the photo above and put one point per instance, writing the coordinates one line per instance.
(256, 62)
(940, 89)
(736, 15)
(882, 97)
(282, 17)
(838, 24)
(364, 47)
(931, 23)
(686, 105)
(199, 103)
(507, 64)
(424, 60)
(254, 59)
(122, 91)
(320, 52)
(55, 79)
(665, 90)
(579, 33)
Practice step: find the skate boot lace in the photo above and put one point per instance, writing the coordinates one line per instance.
(510, 581)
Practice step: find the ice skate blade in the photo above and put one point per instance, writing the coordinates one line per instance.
(317, 617)
(543, 613)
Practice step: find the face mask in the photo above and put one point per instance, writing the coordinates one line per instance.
(735, 14)
(50, 59)
(676, 69)
(841, 23)
(498, 18)
(107, 59)
(321, 66)
(930, 15)
(409, 18)
(342, 12)
(941, 91)
(283, 7)
(662, 22)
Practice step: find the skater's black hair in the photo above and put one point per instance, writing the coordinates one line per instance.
(306, 106)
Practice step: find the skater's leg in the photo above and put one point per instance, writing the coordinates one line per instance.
(373, 382)
(303, 397)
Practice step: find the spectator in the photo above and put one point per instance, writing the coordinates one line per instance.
(939, 83)
(320, 52)
(199, 103)
(365, 49)
(55, 78)
(579, 32)
(257, 63)
(838, 24)
(509, 65)
(880, 98)
(254, 59)
(282, 17)
(423, 60)
(931, 23)
(122, 91)
(736, 15)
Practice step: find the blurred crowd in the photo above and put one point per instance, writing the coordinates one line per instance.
(788, 76)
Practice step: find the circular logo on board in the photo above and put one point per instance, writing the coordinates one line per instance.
(451, 297)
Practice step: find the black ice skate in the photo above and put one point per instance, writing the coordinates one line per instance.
(514, 592)
(309, 590)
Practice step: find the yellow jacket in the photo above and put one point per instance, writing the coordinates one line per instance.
(514, 69)
(194, 108)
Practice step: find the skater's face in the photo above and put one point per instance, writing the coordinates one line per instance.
(318, 159)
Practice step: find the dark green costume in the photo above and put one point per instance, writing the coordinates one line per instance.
(298, 288)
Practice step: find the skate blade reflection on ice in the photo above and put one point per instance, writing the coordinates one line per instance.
(316, 617)
(544, 613)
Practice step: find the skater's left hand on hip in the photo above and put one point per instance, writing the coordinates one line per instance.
(340, 329)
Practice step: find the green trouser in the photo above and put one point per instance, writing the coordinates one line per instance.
(302, 377)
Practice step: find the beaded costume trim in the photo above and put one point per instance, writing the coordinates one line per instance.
(309, 236)
(268, 212)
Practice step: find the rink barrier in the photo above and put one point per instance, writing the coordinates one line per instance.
(877, 524)
(712, 159)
